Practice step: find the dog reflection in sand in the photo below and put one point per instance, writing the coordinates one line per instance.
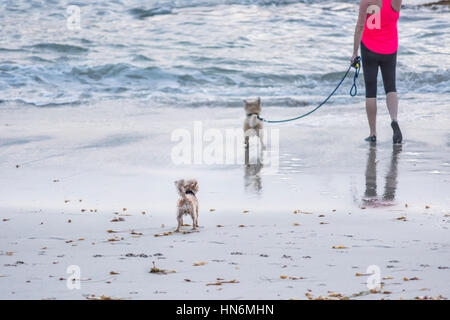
(252, 177)
(188, 202)
(252, 124)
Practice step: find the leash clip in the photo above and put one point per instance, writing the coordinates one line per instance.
(357, 65)
(357, 62)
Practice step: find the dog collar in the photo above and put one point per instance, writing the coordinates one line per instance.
(255, 114)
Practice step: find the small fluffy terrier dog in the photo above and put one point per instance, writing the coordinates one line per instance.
(252, 125)
(188, 202)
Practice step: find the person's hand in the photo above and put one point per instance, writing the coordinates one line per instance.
(352, 59)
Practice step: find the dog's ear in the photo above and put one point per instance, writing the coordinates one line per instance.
(179, 183)
(259, 101)
(194, 185)
(247, 105)
(179, 186)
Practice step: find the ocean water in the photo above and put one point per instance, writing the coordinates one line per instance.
(204, 52)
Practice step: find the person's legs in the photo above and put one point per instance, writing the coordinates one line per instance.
(397, 136)
(388, 67)
(388, 71)
(392, 104)
(371, 110)
(370, 70)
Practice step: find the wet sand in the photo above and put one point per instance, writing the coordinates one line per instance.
(309, 229)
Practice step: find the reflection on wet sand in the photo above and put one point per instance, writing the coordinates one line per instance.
(370, 195)
(252, 177)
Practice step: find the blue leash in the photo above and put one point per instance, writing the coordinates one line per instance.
(353, 91)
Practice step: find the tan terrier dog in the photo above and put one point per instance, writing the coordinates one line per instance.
(188, 202)
(252, 124)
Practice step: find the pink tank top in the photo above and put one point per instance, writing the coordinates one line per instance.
(380, 31)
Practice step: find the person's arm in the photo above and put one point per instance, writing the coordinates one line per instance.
(396, 5)
(359, 29)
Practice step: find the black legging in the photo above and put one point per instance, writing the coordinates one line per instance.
(370, 61)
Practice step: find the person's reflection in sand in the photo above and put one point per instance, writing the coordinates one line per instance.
(370, 195)
(391, 178)
(252, 178)
(371, 175)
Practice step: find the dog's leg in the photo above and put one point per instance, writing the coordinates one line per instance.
(246, 142)
(260, 134)
(194, 222)
(247, 156)
(196, 217)
(246, 128)
(180, 223)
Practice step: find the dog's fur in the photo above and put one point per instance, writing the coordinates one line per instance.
(188, 202)
(252, 125)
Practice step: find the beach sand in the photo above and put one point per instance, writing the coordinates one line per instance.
(309, 229)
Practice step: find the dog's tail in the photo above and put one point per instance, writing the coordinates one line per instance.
(180, 188)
